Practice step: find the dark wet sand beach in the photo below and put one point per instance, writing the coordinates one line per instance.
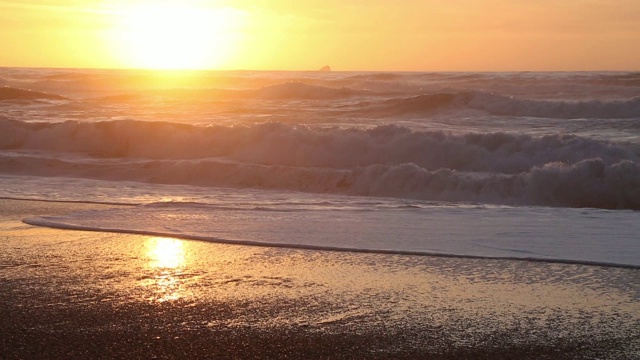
(89, 295)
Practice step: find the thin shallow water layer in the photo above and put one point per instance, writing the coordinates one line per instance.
(321, 221)
(104, 295)
(561, 235)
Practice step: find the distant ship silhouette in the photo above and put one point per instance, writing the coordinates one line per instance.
(325, 68)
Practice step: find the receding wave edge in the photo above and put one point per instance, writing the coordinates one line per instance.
(64, 226)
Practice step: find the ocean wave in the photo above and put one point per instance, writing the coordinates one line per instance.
(283, 91)
(95, 83)
(289, 145)
(496, 104)
(300, 90)
(588, 183)
(385, 161)
(11, 93)
(624, 79)
(381, 76)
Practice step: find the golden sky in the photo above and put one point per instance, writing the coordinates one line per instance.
(422, 35)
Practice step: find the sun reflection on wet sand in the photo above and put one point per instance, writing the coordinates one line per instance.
(168, 263)
(93, 293)
(166, 253)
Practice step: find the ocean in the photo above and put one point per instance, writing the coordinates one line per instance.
(538, 166)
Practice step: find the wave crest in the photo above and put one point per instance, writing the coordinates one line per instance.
(554, 170)
(11, 93)
(588, 183)
(300, 90)
(510, 106)
(280, 144)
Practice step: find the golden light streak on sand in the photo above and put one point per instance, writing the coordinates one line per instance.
(167, 258)
(166, 253)
(196, 287)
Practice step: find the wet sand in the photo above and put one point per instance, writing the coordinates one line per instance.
(89, 295)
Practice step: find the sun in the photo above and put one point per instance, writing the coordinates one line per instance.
(176, 36)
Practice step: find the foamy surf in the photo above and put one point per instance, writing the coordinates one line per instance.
(510, 165)
(384, 161)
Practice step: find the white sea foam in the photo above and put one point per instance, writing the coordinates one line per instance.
(332, 222)
(292, 145)
(589, 183)
(560, 170)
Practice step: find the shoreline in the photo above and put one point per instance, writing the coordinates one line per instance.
(78, 294)
(43, 222)
(54, 225)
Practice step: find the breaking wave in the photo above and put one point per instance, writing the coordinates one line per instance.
(588, 183)
(558, 170)
(289, 145)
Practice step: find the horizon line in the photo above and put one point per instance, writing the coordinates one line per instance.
(307, 70)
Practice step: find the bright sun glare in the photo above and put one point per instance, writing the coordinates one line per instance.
(174, 36)
(166, 253)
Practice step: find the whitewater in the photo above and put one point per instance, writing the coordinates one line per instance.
(538, 166)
